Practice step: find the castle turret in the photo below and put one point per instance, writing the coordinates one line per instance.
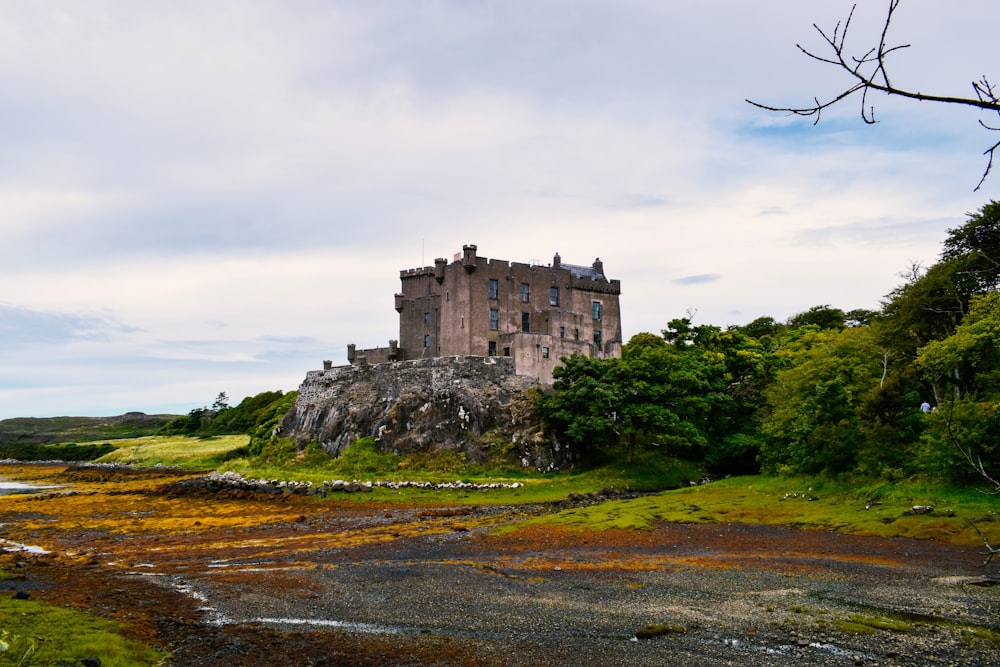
(469, 257)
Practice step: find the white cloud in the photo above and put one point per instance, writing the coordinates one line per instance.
(227, 191)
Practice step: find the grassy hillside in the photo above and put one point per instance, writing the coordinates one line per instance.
(50, 438)
(41, 430)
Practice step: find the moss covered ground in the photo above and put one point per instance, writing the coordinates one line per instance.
(37, 634)
(882, 509)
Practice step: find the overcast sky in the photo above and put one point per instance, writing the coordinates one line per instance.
(204, 196)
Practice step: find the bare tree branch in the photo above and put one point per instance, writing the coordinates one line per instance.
(870, 73)
(977, 465)
(991, 551)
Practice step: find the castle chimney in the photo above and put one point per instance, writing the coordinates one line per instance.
(351, 353)
(556, 261)
(599, 266)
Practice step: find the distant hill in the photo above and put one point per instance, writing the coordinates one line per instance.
(44, 430)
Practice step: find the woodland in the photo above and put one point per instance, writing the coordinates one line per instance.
(909, 390)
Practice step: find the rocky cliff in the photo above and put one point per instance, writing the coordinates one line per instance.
(461, 403)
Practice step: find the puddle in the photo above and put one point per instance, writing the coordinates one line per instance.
(7, 545)
(11, 488)
(369, 628)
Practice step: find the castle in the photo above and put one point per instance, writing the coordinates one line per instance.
(475, 306)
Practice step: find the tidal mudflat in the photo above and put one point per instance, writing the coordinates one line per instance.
(238, 578)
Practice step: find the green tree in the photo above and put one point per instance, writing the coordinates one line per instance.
(693, 391)
(814, 422)
(926, 308)
(825, 317)
(976, 247)
(659, 389)
(968, 361)
(221, 402)
(762, 327)
(732, 368)
(581, 406)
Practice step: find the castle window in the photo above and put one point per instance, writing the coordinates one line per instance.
(562, 332)
(494, 288)
(595, 309)
(492, 347)
(494, 319)
(576, 334)
(506, 352)
(427, 341)
(553, 296)
(597, 338)
(427, 318)
(525, 292)
(545, 353)
(526, 322)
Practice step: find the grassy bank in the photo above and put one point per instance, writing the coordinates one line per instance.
(859, 507)
(177, 450)
(879, 509)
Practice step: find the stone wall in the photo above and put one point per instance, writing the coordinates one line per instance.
(461, 403)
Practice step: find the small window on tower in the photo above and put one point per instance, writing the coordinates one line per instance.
(545, 353)
(494, 288)
(494, 319)
(525, 292)
(553, 296)
(595, 309)
(492, 347)
(562, 332)
(526, 322)
(427, 341)
(427, 318)
(597, 338)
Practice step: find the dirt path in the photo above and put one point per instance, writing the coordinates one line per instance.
(237, 579)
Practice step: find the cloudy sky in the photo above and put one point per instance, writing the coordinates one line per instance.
(213, 196)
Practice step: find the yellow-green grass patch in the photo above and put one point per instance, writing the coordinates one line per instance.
(878, 511)
(35, 633)
(179, 451)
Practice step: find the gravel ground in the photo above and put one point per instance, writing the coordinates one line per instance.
(567, 600)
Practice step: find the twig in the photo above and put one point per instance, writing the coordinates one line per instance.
(871, 73)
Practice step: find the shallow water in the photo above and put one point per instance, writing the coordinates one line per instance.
(7, 488)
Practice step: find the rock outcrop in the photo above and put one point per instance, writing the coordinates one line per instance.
(460, 403)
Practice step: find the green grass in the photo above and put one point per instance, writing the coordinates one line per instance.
(179, 451)
(806, 503)
(38, 430)
(35, 633)
(860, 624)
(363, 461)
